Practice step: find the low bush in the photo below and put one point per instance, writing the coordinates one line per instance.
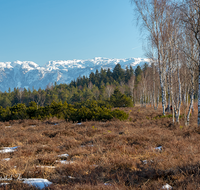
(85, 111)
(119, 114)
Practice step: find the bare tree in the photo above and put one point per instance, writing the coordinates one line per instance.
(109, 90)
(189, 48)
(21, 91)
(90, 85)
(153, 16)
(190, 17)
(131, 85)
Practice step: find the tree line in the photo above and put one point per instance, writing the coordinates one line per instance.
(86, 98)
(100, 85)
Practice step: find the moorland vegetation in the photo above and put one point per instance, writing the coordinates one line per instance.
(103, 155)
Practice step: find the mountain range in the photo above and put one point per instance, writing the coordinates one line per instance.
(27, 74)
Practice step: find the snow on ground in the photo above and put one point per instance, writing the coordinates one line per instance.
(6, 159)
(167, 187)
(1, 184)
(70, 177)
(65, 161)
(108, 184)
(37, 182)
(159, 148)
(8, 149)
(63, 155)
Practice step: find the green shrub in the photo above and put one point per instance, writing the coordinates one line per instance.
(90, 110)
(121, 115)
(18, 112)
(93, 112)
(32, 110)
(118, 99)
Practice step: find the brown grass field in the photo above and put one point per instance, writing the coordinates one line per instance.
(104, 155)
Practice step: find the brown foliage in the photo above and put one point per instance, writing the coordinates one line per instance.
(104, 155)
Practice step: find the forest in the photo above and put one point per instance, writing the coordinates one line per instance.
(98, 86)
(82, 99)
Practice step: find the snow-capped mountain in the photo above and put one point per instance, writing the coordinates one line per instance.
(27, 74)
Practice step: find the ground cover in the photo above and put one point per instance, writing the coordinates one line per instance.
(144, 152)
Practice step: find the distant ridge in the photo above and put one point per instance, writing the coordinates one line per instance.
(27, 74)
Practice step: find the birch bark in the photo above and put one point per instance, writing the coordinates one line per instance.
(192, 97)
(199, 91)
(179, 96)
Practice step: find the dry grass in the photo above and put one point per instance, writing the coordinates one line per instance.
(104, 155)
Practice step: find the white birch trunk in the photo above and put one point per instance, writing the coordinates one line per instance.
(192, 99)
(168, 88)
(199, 93)
(158, 96)
(179, 98)
(153, 98)
(162, 91)
(171, 92)
(144, 99)
(141, 100)
(187, 99)
(163, 97)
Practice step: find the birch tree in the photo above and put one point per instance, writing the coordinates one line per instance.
(131, 85)
(190, 17)
(189, 48)
(153, 15)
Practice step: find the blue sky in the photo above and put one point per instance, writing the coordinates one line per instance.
(44, 30)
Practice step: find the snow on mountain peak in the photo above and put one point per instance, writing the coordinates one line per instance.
(28, 74)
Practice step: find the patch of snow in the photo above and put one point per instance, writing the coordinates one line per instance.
(159, 148)
(90, 145)
(8, 126)
(1, 184)
(144, 161)
(37, 182)
(70, 177)
(65, 161)
(6, 159)
(8, 149)
(63, 155)
(108, 184)
(167, 187)
(94, 165)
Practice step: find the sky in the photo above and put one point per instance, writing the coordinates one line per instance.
(45, 30)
